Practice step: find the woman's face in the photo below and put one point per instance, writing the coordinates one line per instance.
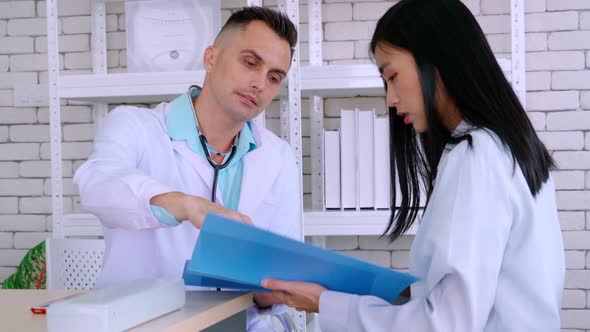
(404, 91)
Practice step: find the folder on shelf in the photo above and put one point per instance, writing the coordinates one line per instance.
(348, 161)
(332, 169)
(232, 252)
(366, 159)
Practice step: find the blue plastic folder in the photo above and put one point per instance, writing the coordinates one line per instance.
(230, 254)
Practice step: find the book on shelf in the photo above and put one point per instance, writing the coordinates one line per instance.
(366, 159)
(332, 169)
(382, 164)
(230, 254)
(348, 161)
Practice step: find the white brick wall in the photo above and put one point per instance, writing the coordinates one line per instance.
(575, 120)
(551, 21)
(9, 169)
(27, 27)
(572, 220)
(67, 43)
(566, 60)
(575, 259)
(553, 100)
(15, 9)
(565, 80)
(4, 62)
(568, 180)
(568, 140)
(10, 79)
(28, 240)
(570, 40)
(17, 45)
(3, 134)
(558, 99)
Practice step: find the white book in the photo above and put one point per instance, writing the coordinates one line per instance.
(348, 164)
(381, 165)
(332, 169)
(366, 161)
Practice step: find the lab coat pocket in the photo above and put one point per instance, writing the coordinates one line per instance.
(266, 211)
(271, 198)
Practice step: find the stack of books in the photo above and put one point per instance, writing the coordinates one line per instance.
(357, 162)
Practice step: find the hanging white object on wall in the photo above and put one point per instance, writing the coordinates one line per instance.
(165, 35)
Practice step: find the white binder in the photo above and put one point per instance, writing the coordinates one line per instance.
(382, 162)
(366, 159)
(348, 161)
(332, 169)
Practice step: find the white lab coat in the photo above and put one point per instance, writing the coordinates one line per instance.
(490, 255)
(134, 159)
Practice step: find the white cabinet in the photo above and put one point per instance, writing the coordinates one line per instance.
(315, 81)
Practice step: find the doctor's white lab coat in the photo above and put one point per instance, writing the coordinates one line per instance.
(134, 160)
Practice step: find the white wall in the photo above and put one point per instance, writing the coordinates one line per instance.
(558, 83)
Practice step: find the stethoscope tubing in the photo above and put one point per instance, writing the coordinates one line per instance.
(204, 142)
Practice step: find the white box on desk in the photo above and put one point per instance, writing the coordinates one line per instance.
(117, 308)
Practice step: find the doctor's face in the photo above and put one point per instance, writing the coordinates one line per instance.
(246, 68)
(404, 90)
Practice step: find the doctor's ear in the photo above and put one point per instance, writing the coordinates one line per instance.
(210, 56)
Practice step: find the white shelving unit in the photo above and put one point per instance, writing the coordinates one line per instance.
(315, 81)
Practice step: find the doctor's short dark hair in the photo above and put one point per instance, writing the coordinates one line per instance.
(275, 20)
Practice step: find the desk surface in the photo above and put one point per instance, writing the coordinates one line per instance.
(202, 309)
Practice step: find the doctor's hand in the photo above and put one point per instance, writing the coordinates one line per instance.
(297, 294)
(194, 208)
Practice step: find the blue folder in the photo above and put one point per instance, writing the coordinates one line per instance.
(230, 254)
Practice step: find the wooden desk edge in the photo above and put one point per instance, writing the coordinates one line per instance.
(214, 315)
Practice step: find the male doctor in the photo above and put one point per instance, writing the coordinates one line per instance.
(150, 178)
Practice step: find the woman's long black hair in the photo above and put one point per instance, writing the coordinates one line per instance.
(443, 36)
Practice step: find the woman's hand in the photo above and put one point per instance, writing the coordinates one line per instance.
(303, 296)
(265, 300)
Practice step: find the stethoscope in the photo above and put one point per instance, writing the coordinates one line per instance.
(206, 150)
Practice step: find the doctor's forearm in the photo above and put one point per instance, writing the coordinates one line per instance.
(193, 208)
(173, 202)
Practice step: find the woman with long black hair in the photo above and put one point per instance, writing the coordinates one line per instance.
(488, 250)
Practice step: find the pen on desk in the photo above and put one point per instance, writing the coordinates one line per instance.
(42, 308)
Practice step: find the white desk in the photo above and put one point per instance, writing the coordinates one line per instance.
(202, 310)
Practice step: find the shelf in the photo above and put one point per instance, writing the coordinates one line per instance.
(316, 223)
(328, 81)
(342, 222)
(341, 81)
(128, 87)
(81, 225)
